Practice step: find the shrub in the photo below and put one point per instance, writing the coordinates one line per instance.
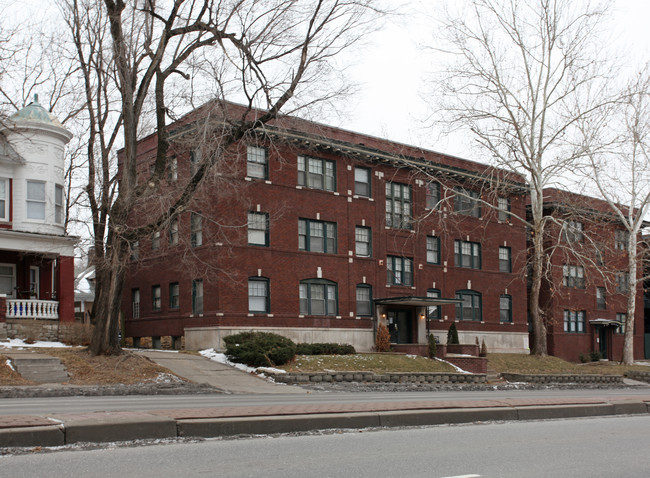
(595, 356)
(452, 334)
(583, 358)
(259, 349)
(432, 346)
(483, 352)
(325, 349)
(382, 342)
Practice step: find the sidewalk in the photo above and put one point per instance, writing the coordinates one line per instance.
(98, 427)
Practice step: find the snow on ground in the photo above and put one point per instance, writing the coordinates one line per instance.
(458, 369)
(221, 358)
(20, 344)
(9, 364)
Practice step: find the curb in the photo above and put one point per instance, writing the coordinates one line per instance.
(102, 427)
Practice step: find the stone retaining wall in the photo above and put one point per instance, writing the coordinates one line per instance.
(637, 375)
(402, 377)
(562, 378)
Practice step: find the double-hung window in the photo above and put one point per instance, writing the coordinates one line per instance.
(8, 279)
(466, 202)
(257, 163)
(172, 169)
(433, 195)
(318, 297)
(574, 321)
(317, 236)
(470, 308)
(58, 204)
(433, 250)
(4, 199)
(173, 295)
(362, 182)
(196, 230)
(155, 241)
(135, 303)
(621, 238)
(363, 241)
(35, 200)
(601, 299)
(399, 270)
(573, 276)
(398, 205)
(433, 311)
(155, 297)
(505, 308)
(197, 296)
(195, 159)
(572, 231)
(316, 173)
(503, 207)
(258, 295)
(622, 318)
(173, 232)
(467, 254)
(364, 300)
(505, 259)
(622, 282)
(258, 228)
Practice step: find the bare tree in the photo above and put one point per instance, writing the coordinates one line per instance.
(146, 62)
(518, 68)
(619, 154)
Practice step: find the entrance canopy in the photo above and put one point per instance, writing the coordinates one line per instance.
(417, 301)
(606, 322)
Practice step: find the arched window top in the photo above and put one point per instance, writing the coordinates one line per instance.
(470, 308)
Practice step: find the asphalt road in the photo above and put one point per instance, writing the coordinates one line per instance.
(41, 406)
(594, 447)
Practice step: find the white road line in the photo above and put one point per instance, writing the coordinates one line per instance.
(462, 476)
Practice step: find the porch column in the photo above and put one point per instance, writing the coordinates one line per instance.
(65, 288)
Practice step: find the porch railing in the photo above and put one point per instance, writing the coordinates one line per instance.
(32, 309)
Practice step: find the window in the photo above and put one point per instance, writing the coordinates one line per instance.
(135, 250)
(258, 295)
(256, 163)
(172, 169)
(317, 173)
(155, 297)
(505, 308)
(573, 276)
(173, 295)
(433, 311)
(574, 321)
(572, 231)
(318, 297)
(195, 159)
(505, 261)
(467, 254)
(364, 300)
(35, 200)
(398, 205)
(503, 206)
(400, 270)
(317, 236)
(363, 241)
(135, 303)
(196, 230)
(4, 199)
(173, 232)
(433, 195)
(258, 228)
(470, 307)
(622, 318)
(197, 297)
(622, 282)
(362, 182)
(155, 241)
(7, 279)
(58, 204)
(601, 302)
(621, 238)
(466, 202)
(433, 250)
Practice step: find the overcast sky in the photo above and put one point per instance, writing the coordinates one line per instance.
(392, 71)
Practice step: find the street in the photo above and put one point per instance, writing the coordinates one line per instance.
(595, 447)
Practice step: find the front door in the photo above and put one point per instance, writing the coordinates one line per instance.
(400, 325)
(602, 341)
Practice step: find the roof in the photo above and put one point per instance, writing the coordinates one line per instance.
(84, 285)
(34, 112)
(416, 301)
(606, 322)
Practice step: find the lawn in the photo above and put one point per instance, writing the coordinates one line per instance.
(377, 362)
(529, 364)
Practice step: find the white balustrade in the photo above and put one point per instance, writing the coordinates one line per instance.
(32, 309)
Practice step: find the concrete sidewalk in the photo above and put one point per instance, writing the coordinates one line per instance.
(223, 377)
(98, 427)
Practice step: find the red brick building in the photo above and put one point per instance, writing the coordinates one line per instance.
(584, 294)
(320, 234)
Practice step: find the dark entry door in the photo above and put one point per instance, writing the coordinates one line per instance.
(602, 336)
(400, 325)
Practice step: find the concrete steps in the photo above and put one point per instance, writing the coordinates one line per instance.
(40, 368)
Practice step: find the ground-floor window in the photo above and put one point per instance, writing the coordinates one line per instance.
(574, 321)
(318, 297)
(622, 318)
(364, 300)
(7, 279)
(470, 308)
(197, 296)
(505, 308)
(258, 295)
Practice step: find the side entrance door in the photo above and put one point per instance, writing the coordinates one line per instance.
(400, 325)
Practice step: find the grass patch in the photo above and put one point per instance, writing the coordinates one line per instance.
(127, 368)
(9, 376)
(378, 363)
(530, 364)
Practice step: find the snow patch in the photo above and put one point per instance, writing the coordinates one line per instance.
(20, 344)
(221, 358)
(458, 369)
(10, 365)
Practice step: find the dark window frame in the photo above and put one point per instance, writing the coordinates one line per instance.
(435, 250)
(575, 321)
(310, 179)
(573, 277)
(156, 298)
(197, 300)
(393, 272)
(359, 186)
(473, 260)
(505, 264)
(363, 313)
(475, 309)
(308, 286)
(306, 236)
(433, 311)
(254, 219)
(505, 314)
(253, 162)
(266, 296)
(433, 195)
(399, 205)
(174, 295)
(367, 243)
(466, 202)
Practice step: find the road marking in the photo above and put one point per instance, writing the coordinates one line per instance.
(462, 476)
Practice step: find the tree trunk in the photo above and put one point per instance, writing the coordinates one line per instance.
(628, 340)
(539, 345)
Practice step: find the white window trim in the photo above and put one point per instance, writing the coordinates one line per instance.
(7, 199)
(13, 279)
(27, 201)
